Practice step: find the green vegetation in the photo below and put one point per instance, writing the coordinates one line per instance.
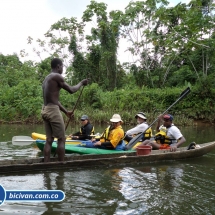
(173, 48)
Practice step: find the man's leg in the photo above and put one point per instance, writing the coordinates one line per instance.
(145, 142)
(151, 143)
(47, 149)
(154, 145)
(61, 148)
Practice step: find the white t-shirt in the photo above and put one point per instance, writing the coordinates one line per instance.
(173, 133)
(138, 129)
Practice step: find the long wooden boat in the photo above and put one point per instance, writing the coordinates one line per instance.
(83, 161)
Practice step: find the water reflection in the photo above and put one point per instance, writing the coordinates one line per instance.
(176, 187)
(184, 187)
(22, 182)
(92, 192)
(53, 181)
(9, 151)
(88, 189)
(169, 177)
(166, 189)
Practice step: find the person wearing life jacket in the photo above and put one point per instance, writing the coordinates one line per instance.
(168, 136)
(113, 135)
(142, 126)
(86, 130)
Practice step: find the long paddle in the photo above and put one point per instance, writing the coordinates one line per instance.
(74, 107)
(26, 140)
(134, 140)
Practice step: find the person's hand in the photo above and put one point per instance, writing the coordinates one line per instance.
(173, 148)
(160, 117)
(97, 143)
(70, 114)
(85, 81)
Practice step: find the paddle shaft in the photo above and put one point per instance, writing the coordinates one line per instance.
(134, 140)
(74, 107)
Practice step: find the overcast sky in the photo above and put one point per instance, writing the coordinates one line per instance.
(22, 18)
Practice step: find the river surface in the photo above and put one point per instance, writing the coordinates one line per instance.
(173, 187)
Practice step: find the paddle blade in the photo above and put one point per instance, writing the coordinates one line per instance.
(185, 92)
(22, 140)
(133, 141)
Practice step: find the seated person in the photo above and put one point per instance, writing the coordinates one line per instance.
(142, 126)
(168, 137)
(113, 135)
(86, 130)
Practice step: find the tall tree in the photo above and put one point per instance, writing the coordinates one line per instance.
(106, 35)
(167, 38)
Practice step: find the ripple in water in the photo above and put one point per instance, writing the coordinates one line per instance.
(184, 187)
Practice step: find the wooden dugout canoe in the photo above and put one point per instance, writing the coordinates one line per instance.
(82, 161)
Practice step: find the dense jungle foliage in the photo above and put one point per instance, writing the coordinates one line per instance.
(172, 48)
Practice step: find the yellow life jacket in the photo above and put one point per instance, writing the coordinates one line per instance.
(162, 138)
(148, 134)
(106, 133)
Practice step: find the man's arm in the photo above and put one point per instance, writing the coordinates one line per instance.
(159, 122)
(132, 131)
(180, 141)
(62, 108)
(72, 89)
(136, 130)
(178, 136)
(69, 114)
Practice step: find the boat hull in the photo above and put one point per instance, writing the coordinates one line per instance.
(120, 159)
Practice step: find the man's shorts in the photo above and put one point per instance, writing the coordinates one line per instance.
(53, 121)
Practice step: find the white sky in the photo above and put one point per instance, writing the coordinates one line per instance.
(22, 18)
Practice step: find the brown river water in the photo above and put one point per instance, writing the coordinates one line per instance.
(173, 187)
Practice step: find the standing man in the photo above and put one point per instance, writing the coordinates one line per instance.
(52, 117)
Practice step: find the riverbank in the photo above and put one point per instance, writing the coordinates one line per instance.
(185, 122)
(101, 105)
